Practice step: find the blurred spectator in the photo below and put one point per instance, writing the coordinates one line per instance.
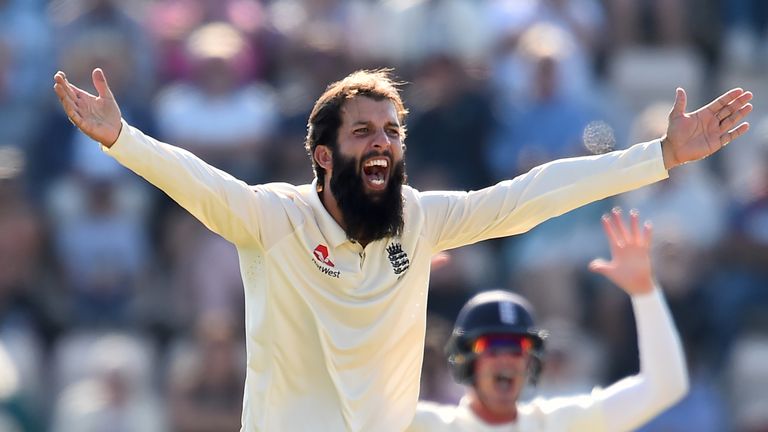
(25, 64)
(313, 42)
(102, 246)
(526, 30)
(743, 264)
(416, 30)
(203, 273)
(25, 318)
(747, 380)
(706, 31)
(206, 378)
(633, 22)
(322, 25)
(657, 45)
(120, 20)
(171, 22)
(448, 128)
(543, 124)
(21, 242)
(216, 115)
(109, 388)
(746, 22)
(641, 77)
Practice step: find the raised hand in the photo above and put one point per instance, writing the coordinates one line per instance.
(97, 116)
(630, 265)
(696, 135)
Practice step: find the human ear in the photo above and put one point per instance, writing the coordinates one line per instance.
(323, 157)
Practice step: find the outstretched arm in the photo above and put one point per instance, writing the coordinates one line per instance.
(222, 203)
(663, 377)
(515, 206)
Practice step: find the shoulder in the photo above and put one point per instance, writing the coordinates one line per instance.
(411, 193)
(428, 198)
(283, 189)
(577, 412)
(560, 402)
(431, 416)
(284, 194)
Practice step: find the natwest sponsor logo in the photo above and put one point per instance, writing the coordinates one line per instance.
(321, 256)
(321, 253)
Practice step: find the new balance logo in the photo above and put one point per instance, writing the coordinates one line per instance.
(398, 258)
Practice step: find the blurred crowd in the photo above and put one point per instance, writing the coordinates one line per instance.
(119, 312)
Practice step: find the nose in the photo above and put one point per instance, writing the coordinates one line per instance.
(381, 141)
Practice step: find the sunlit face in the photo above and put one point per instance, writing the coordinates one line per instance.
(499, 379)
(371, 135)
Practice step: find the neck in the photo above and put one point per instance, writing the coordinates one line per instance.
(488, 415)
(330, 204)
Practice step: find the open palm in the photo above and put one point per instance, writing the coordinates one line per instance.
(97, 116)
(630, 265)
(696, 135)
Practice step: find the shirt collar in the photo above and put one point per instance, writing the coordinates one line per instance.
(328, 226)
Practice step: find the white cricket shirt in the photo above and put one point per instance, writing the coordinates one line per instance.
(565, 414)
(335, 332)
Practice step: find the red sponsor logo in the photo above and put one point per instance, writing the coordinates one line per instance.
(321, 253)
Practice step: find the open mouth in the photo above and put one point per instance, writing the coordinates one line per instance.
(376, 173)
(503, 381)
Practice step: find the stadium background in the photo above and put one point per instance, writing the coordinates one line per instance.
(119, 312)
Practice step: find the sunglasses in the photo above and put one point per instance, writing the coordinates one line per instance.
(494, 343)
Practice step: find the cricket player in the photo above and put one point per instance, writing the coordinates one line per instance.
(336, 272)
(496, 348)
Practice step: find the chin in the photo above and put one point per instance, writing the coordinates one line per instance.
(375, 195)
(505, 407)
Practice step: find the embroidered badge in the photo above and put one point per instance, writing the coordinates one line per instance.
(398, 258)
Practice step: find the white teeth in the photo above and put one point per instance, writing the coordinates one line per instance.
(377, 181)
(377, 162)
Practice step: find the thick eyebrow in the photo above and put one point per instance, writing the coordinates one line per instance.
(366, 123)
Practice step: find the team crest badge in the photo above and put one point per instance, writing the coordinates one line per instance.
(398, 258)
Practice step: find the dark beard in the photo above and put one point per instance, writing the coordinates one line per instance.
(367, 219)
